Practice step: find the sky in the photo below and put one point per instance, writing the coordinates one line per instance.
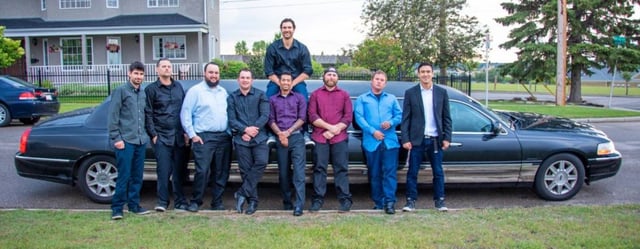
(329, 25)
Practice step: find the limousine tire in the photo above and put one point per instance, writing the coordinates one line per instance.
(30, 121)
(559, 178)
(97, 178)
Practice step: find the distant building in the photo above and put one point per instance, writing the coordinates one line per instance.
(80, 34)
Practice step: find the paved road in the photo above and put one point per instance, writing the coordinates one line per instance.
(19, 192)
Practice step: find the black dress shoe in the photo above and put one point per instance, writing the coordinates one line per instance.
(389, 208)
(297, 211)
(253, 206)
(240, 199)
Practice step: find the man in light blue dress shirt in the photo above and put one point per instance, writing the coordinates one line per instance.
(378, 113)
(204, 119)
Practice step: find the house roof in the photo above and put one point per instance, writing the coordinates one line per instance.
(156, 23)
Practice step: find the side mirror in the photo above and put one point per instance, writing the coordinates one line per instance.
(496, 127)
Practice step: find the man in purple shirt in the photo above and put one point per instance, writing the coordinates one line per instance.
(330, 112)
(288, 112)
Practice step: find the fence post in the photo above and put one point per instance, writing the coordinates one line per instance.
(469, 84)
(40, 77)
(108, 82)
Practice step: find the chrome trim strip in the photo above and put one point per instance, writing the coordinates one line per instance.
(44, 159)
(607, 158)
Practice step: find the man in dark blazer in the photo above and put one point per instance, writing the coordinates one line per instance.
(426, 128)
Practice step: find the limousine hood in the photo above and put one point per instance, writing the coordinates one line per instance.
(535, 121)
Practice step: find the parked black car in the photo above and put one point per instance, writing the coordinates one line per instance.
(24, 101)
(555, 156)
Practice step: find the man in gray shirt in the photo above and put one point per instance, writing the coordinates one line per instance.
(129, 139)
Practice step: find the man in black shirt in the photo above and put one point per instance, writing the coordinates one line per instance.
(248, 110)
(162, 118)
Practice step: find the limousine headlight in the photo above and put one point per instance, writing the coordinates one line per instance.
(606, 149)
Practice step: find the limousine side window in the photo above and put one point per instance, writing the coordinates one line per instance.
(467, 119)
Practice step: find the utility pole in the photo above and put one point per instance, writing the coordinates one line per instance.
(561, 60)
(487, 47)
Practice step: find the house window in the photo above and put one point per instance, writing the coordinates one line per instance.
(43, 4)
(162, 3)
(71, 53)
(75, 4)
(112, 3)
(172, 47)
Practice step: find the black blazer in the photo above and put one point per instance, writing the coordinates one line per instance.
(413, 123)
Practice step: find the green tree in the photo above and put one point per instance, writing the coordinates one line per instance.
(469, 66)
(241, 48)
(230, 69)
(10, 50)
(591, 26)
(318, 69)
(256, 65)
(383, 53)
(259, 48)
(427, 30)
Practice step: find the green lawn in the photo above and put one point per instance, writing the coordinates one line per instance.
(567, 111)
(538, 89)
(614, 226)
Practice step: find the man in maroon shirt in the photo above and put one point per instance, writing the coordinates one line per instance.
(330, 112)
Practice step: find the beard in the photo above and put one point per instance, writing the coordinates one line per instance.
(212, 84)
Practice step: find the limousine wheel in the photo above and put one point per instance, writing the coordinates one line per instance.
(97, 178)
(30, 121)
(560, 177)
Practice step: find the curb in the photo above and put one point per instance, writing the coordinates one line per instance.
(607, 120)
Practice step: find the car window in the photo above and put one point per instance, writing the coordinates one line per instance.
(17, 82)
(468, 119)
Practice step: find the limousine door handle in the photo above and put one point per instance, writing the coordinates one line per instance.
(455, 144)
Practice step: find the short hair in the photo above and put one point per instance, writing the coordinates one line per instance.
(288, 20)
(246, 70)
(285, 73)
(136, 65)
(162, 59)
(423, 64)
(204, 69)
(379, 72)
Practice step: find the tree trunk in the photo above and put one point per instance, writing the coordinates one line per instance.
(575, 95)
(443, 75)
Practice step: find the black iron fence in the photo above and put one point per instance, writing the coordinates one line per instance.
(93, 86)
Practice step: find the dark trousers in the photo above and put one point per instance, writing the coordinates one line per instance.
(430, 147)
(170, 164)
(383, 166)
(291, 162)
(339, 154)
(130, 164)
(252, 161)
(211, 159)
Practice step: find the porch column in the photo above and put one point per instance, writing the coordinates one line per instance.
(27, 51)
(141, 47)
(83, 43)
(200, 49)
